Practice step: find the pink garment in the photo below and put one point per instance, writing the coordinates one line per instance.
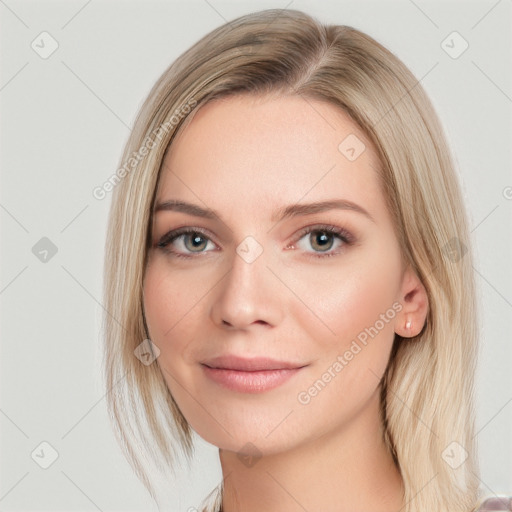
(496, 503)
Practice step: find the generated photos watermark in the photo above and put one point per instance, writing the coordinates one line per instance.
(342, 360)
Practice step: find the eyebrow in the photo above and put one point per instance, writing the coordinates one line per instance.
(293, 210)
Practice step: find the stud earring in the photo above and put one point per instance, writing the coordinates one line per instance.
(408, 324)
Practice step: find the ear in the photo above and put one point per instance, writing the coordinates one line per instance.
(414, 300)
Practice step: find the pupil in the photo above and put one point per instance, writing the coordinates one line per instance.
(321, 240)
(197, 241)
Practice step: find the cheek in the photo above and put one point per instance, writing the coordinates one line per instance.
(340, 302)
(171, 304)
(351, 327)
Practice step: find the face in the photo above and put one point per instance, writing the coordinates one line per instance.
(261, 275)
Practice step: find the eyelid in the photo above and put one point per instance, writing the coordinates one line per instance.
(339, 232)
(343, 233)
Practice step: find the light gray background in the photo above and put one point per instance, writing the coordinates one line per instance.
(64, 121)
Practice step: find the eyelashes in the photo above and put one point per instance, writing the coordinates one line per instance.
(324, 236)
(170, 238)
(325, 231)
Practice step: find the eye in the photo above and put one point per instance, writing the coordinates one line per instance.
(185, 242)
(322, 239)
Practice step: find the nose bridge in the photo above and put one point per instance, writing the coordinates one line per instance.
(246, 295)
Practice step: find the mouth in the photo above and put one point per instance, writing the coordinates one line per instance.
(232, 362)
(254, 375)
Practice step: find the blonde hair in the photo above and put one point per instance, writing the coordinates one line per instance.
(427, 390)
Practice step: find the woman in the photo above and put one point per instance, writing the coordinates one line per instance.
(289, 274)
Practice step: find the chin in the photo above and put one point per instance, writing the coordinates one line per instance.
(270, 438)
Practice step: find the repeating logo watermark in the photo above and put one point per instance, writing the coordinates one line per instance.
(44, 45)
(249, 455)
(454, 249)
(44, 250)
(44, 455)
(454, 455)
(351, 147)
(454, 45)
(146, 352)
(249, 249)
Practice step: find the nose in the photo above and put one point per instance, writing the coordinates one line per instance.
(247, 295)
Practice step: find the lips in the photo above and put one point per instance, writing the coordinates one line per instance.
(254, 375)
(232, 362)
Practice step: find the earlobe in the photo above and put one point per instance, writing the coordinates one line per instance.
(415, 304)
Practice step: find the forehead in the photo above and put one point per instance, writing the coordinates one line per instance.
(248, 152)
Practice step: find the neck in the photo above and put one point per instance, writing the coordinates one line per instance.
(347, 470)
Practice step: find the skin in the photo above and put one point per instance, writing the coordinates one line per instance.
(246, 157)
